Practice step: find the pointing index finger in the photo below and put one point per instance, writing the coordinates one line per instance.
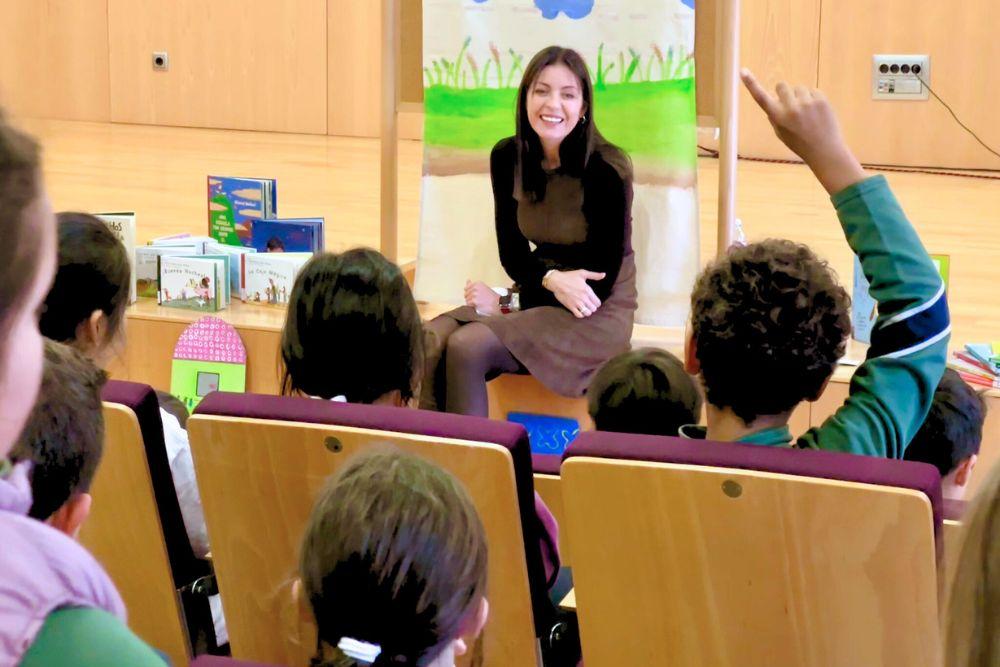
(758, 93)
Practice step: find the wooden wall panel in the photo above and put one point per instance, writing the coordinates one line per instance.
(411, 46)
(961, 39)
(706, 83)
(239, 65)
(54, 59)
(354, 67)
(779, 41)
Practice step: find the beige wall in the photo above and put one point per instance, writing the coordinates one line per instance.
(313, 66)
(963, 42)
(234, 64)
(54, 58)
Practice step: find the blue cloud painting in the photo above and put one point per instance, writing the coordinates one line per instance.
(574, 9)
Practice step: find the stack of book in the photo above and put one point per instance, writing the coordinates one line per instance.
(199, 273)
(243, 212)
(249, 253)
(978, 364)
(122, 225)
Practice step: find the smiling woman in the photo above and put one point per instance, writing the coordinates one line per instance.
(560, 185)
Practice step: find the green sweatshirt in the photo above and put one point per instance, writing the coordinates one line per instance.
(891, 391)
(88, 638)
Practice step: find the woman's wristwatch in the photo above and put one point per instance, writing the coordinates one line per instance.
(510, 302)
(510, 299)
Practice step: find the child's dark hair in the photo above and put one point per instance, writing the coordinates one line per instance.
(20, 185)
(953, 429)
(643, 391)
(352, 330)
(64, 436)
(94, 274)
(394, 555)
(769, 322)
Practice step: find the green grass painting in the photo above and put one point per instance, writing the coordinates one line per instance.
(653, 119)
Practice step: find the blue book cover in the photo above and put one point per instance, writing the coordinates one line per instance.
(864, 309)
(288, 235)
(235, 203)
(546, 434)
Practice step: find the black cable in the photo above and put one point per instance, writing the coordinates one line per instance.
(945, 105)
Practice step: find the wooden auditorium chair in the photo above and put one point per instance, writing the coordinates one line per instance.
(217, 661)
(135, 528)
(951, 537)
(701, 553)
(261, 461)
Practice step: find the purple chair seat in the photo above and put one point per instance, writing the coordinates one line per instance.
(546, 464)
(805, 463)
(511, 436)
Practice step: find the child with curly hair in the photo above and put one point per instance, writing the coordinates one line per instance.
(769, 321)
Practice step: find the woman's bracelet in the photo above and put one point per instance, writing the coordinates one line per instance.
(545, 278)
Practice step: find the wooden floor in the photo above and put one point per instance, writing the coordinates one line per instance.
(160, 173)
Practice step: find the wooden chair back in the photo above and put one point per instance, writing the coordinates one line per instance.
(697, 565)
(123, 532)
(259, 479)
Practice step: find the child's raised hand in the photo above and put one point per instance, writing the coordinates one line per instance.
(805, 121)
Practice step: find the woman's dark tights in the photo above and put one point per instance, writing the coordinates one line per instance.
(471, 355)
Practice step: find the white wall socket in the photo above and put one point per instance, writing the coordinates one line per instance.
(161, 61)
(898, 76)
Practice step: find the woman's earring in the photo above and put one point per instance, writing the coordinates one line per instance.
(583, 119)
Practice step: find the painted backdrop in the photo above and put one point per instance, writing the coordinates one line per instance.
(641, 57)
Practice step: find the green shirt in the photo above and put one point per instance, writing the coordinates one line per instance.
(777, 436)
(86, 637)
(891, 392)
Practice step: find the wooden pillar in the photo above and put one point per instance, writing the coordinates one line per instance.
(388, 165)
(728, 69)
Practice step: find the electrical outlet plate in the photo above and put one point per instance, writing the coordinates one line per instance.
(898, 76)
(161, 61)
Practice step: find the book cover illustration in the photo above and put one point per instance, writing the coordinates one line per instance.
(209, 356)
(188, 282)
(147, 266)
(864, 309)
(123, 226)
(235, 203)
(270, 277)
(237, 277)
(289, 235)
(222, 285)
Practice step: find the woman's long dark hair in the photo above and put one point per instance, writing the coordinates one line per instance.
(578, 146)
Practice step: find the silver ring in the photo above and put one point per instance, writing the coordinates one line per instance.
(584, 310)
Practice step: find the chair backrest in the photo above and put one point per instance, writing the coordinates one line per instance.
(141, 399)
(218, 661)
(261, 461)
(124, 533)
(702, 553)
